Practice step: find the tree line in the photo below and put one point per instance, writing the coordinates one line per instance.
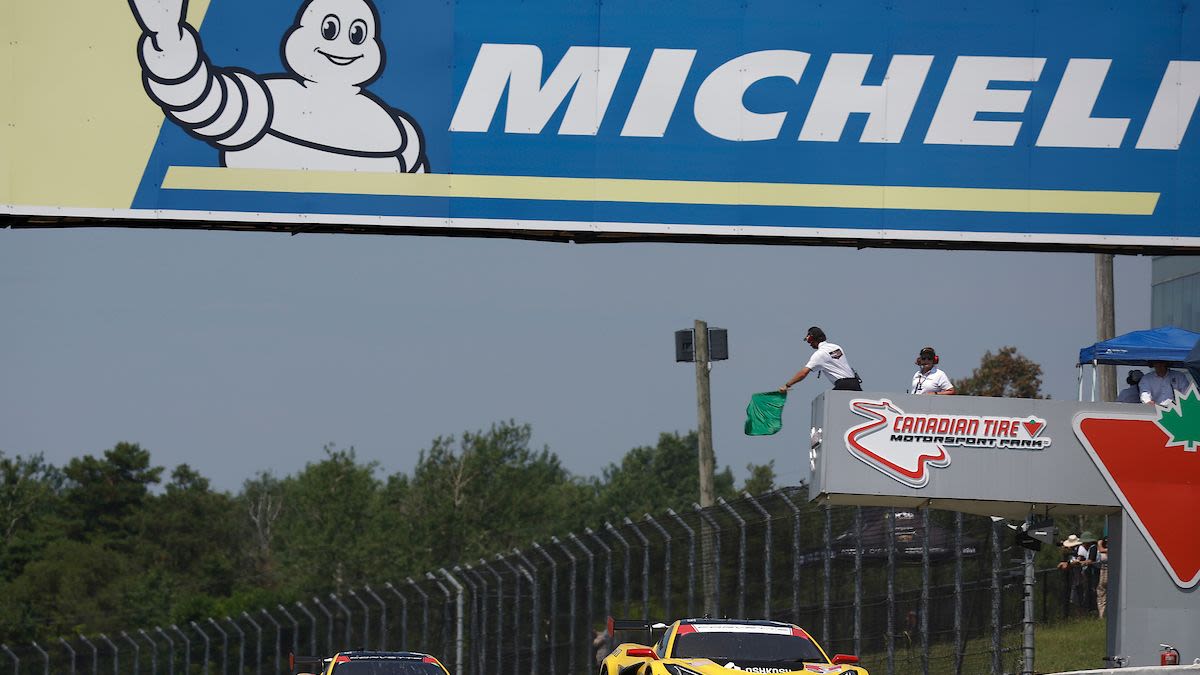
(113, 541)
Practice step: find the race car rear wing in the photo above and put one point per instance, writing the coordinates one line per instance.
(615, 625)
(305, 664)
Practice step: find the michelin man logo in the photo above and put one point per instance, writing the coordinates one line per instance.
(317, 115)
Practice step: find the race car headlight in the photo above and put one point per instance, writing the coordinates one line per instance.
(675, 669)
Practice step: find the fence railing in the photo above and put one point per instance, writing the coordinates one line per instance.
(910, 591)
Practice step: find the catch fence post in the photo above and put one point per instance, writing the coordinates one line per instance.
(296, 629)
(741, 523)
(516, 632)
(445, 610)
(257, 642)
(424, 614)
(535, 637)
(766, 516)
(472, 625)
(224, 645)
(153, 650)
(11, 655)
(458, 634)
(170, 649)
(607, 570)
(715, 528)
(347, 640)
(187, 650)
(95, 654)
(204, 636)
(328, 626)
(691, 574)
(858, 580)
(795, 556)
(278, 637)
(590, 596)
(645, 568)
(499, 612)
(137, 652)
(70, 649)
(241, 645)
(666, 537)
(45, 658)
(116, 653)
(997, 617)
(890, 638)
(478, 616)
(312, 632)
(959, 638)
(628, 563)
(366, 634)
(925, 574)
(827, 583)
(552, 615)
(382, 617)
(574, 621)
(403, 614)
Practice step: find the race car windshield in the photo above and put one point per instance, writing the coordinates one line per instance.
(762, 647)
(386, 668)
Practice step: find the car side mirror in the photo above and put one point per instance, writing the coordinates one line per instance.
(642, 653)
(849, 659)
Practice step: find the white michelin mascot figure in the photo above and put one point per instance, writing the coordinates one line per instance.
(315, 116)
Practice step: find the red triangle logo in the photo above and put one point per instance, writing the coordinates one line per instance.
(1158, 485)
(1034, 427)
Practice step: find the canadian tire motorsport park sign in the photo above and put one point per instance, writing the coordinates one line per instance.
(1038, 125)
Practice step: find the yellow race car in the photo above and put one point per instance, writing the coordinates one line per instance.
(723, 647)
(368, 663)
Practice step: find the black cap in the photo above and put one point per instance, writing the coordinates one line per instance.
(817, 333)
(927, 353)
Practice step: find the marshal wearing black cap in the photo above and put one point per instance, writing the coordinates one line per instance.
(929, 379)
(827, 358)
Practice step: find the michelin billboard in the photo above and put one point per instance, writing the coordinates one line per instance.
(1039, 125)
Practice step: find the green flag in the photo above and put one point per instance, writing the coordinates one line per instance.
(764, 415)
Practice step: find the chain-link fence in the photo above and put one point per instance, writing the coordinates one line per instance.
(910, 591)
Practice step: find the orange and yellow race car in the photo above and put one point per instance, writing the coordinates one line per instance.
(723, 647)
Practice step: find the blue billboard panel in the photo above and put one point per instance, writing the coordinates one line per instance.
(991, 124)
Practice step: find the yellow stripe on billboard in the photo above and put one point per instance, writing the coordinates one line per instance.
(665, 191)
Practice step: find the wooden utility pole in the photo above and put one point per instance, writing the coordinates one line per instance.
(1106, 326)
(706, 461)
(704, 415)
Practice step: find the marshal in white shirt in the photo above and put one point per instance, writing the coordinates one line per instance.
(933, 382)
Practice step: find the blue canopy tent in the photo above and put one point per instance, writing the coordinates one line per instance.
(1141, 347)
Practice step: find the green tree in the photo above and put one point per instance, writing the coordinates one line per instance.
(1005, 374)
(651, 479)
(103, 494)
(761, 478)
(323, 535)
(487, 492)
(29, 495)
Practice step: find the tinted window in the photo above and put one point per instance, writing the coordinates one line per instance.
(754, 646)
(386, 668)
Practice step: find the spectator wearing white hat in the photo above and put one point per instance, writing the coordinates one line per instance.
(1131, 394)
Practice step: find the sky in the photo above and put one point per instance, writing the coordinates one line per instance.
(242, 352)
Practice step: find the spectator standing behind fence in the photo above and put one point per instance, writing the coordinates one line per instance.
(1160, 385)
(827, 358)
(1073, 555)
(930, 379)
(1102, 585)
(1131, 394)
